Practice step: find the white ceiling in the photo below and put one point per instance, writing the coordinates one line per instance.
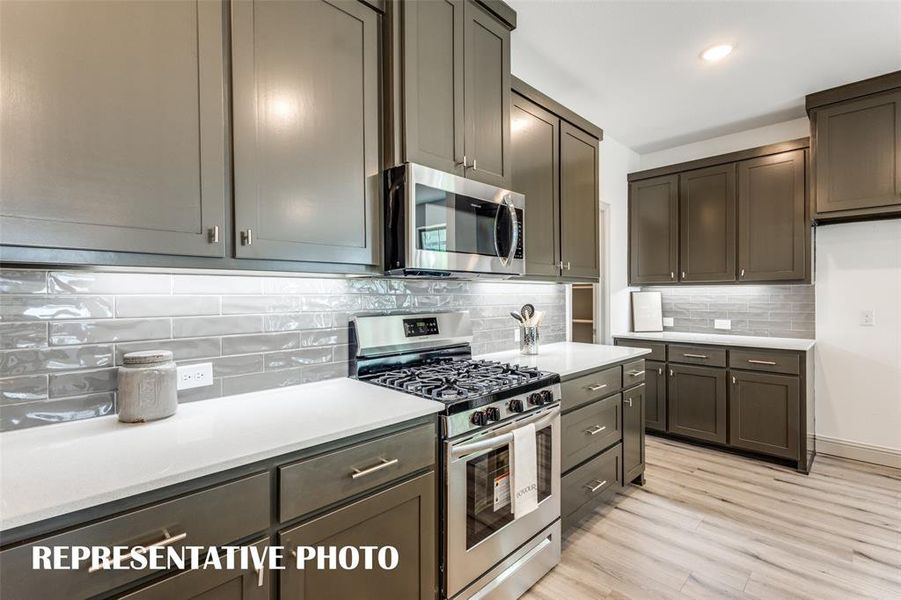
(634, 68)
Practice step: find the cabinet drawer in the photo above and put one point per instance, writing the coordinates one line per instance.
(213, 517)
(590, 429)
(763, 360)
(633, 373)
(658, 349)
(317, 482)
(583, 390)
(591, 481)
(697, 355)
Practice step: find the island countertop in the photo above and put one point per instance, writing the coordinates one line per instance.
(58, 469)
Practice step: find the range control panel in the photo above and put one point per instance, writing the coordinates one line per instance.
(420, 326)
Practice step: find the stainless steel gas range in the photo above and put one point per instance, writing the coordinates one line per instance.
(485, 551)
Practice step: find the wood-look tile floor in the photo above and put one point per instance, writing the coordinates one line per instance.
(714, 525)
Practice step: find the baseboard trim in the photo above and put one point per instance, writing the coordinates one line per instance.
(880, 455)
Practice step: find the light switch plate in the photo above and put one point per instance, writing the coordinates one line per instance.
(667, 321)
(194, 376)
(722, 323)
(516, 334)
(868, 317)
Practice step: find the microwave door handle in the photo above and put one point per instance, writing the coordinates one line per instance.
(514, 229)
(503, 439)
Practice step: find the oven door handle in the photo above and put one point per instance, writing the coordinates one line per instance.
(502, 439)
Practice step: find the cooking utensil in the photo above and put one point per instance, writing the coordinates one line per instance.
(516, 316)
(527, 311)
(536, 320)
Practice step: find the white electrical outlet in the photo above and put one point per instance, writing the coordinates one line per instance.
(722, 323)
(667, 321)
(193, 376)
(516, 334)
(868, 317)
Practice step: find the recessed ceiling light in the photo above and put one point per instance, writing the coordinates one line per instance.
(718, 52)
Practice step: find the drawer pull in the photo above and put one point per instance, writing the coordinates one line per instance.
(754, 361)
(369, 471)
(595, 488)
(597, 386)
(687, 355)
(167, 540)
(596, 429)
(634, 373)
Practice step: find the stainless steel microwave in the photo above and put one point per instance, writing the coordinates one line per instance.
(438, 224)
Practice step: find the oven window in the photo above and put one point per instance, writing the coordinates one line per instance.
(488, 507)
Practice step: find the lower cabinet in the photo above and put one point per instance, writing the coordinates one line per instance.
(697, 402)
(633, 433)
(209, 584)
(402, 516)
(586, 486)
(655, 396)
(764, 413)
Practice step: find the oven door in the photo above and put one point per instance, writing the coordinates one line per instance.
(481, 529)
(460, 225)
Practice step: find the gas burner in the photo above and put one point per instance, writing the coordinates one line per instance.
(451, 380)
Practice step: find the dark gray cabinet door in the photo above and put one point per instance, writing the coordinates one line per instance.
(402, 516)
(655, 396)
(210, 584)
(113, 126)
(486, 96)
(306, 130)
(765, 413)
(654, 230)
(536, 162)
(633, 432)
(858, 153)
(433, 84)
(696, 402)
(707, 224)
(579, 179)
(772, 228)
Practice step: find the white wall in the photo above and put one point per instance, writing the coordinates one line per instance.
(751, 138)
(858, 369)
(617, 161)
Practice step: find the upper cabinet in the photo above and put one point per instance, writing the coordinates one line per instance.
(536, 174)
(654, 230)
(735, 217)
(579, 181)
(306, 130)
(555, 165)
(772, 230)
(707, 224)
(113, 126)
(856, 132)
(451, 88)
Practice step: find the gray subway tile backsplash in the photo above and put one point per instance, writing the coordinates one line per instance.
(760, 310)
(63, 332)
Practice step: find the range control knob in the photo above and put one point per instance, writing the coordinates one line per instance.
(478, 418)
(493, 413)
(546, 397)
(515, 406)
(535, 399)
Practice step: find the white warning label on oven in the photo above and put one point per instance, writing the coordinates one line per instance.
(501, 491)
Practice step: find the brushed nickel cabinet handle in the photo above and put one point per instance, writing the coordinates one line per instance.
(754, 361)
(742, 274)
(672, 275)
(463, 164)
(167, 540)
(594, 488)
(683, 274)
(213, 234)
(384, 464)
(634, 373)
(475, 165)
(686, 355)
(733, 380)
(247, 237)
(597, 386)
(671, 373)
(660, 371)
(260, 574)
(629, 400)
(596, 429)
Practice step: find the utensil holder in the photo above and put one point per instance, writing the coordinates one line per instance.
(528, 340)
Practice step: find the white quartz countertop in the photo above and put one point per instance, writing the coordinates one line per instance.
(570, 359)
(57, 469)
(745, 341)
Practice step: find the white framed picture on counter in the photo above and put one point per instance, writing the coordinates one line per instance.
(647, 311)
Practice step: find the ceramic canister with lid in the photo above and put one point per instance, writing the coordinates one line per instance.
(147, 386)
